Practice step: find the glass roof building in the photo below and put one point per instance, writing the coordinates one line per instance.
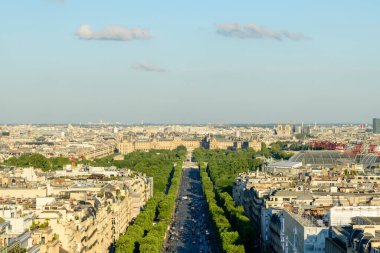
(325, 158)
(368, 160)
(331, 158)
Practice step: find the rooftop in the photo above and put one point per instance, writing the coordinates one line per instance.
(325, 158)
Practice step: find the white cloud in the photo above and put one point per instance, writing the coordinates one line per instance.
(119, 33)
(148, 67)
(253, 31)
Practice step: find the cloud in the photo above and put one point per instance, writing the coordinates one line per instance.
(253, 31)
(295, 36)
(148, 67)
(118, 33)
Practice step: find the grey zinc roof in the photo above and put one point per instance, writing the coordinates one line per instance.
(305, 195)
(285, 164)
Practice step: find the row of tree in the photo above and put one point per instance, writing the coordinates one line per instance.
(223, 166)
(237, 218)
(155, 163)
(228, 239)
(130, 241)
(148, 232)
(154, 240)
(233, 163)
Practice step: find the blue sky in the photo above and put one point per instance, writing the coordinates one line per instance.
(189, 61)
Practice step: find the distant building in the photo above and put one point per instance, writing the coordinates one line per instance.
(284, 130)
(284, 167)
(321, 158)
(128, 144)
(376, 125)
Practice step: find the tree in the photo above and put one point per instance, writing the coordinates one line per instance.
(35, 160)
(59, 162)
(39, 161)
(143, 236)
(264, 150)
(17, 249)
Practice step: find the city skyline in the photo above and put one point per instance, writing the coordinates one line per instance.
(253, 124)
(182, 126)
(217, 62)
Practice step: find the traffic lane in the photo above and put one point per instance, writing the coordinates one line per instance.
(179, 222)
(192, 229)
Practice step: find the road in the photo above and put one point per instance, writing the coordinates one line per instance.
(190, 230)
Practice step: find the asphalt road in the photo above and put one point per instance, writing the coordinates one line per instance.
(190, 230)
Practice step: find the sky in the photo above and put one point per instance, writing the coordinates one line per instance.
(215, 61)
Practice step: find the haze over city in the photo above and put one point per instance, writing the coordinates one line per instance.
(186, 62)
(189, 126)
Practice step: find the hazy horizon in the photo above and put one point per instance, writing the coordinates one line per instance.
(187, 124)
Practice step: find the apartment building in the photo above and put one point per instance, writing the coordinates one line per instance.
(295, 212)
(73, 214)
